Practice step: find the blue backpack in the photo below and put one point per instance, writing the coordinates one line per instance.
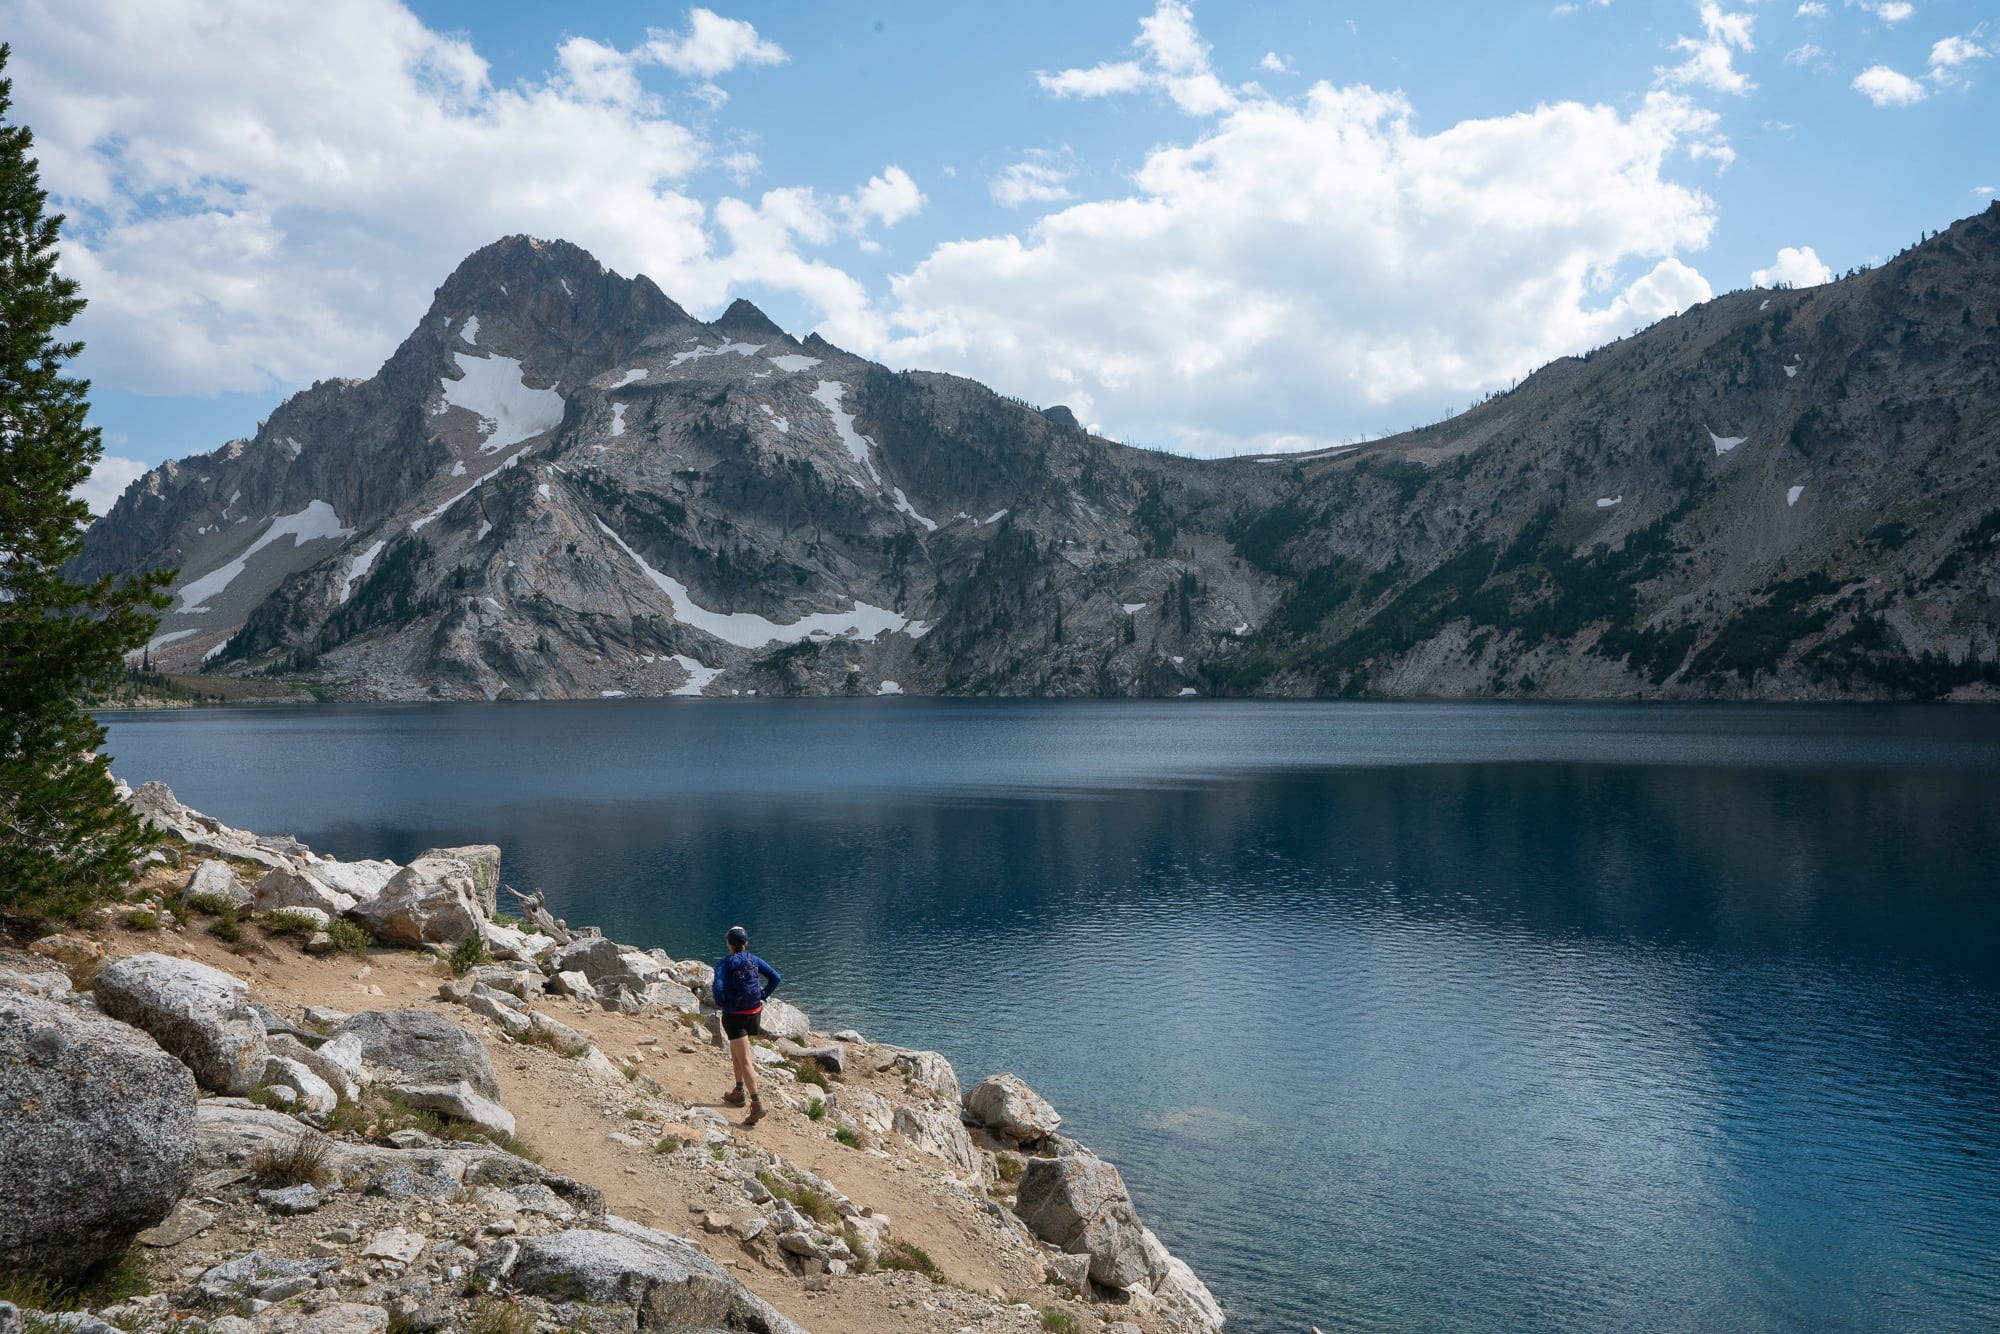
(742, 986)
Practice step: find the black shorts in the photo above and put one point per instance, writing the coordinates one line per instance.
(743, 1025)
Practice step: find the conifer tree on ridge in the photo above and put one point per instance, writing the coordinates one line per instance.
(66, 841)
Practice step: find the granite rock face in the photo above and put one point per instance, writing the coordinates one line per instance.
(664, 1280)
(96, 1136)
(433, 899)
(1079, 1202)
(198, 1013)
(414, 1048)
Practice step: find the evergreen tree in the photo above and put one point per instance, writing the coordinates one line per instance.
(66, 841)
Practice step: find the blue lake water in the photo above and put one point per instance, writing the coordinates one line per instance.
(1410, 1017)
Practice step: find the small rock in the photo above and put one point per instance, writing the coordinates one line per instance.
(187, 1220)
(397, 1245)
(621, 1140)
(339, 1318)
(302, 1199)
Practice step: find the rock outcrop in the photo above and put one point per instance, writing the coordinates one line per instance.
(198, 1013)
(434, 898)
(414, 1049)
(96, 1136)
(1005, 1105)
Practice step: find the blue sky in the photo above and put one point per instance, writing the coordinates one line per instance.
(1214, 227)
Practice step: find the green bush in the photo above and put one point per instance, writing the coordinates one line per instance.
(667, 1144)
(143, 919)
(469, 954)
(347, 936)
(212, 904)
(288, 922)
(847, 1136)
(907, 1255)
(816, 1109)
(225, 927)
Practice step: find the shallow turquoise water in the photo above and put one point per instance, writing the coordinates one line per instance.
(1395, 1016)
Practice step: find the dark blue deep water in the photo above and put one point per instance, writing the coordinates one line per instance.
(1396, 1016)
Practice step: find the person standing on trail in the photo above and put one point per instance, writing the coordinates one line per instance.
(742, 984)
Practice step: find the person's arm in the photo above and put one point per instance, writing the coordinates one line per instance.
(715, 986)
(771, 978)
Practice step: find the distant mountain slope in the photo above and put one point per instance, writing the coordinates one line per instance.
(1788, 493)
(562, 485)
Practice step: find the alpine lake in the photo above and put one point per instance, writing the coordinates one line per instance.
(1394, 1016)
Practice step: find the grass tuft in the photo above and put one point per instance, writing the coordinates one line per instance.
(813, 1203)
(846, 1135)
(1060, 1322)
(288, 922)
(667, 1144)
(143, 919)
(908, 1256)
(304, 1160)
(816, 1110)
(348, 936)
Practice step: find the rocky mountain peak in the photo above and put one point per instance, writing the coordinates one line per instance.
(743, 318)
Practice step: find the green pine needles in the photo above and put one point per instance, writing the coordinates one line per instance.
(66, 841)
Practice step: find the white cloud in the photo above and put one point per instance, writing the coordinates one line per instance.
(1811, 9)
(1040, 178)
(107, 481)
(1173, 60)
(1320, 261)
(1276, 63)
(1886, 88)
(1808, 54)
(1952, 53)
(242, 219)
(1983, 191)
(712, 45)
(1795, 267)
(1711, 58)
(1891, 12)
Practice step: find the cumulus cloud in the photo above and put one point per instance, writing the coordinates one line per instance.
(712, 45)
(1040, 178)
(1276, 63)
(1886, 88)
(1796, 266)
(107, 481)
(1309, 269)
(1951, 55)
(1711, 57)
(1891, 12)
(243, 220)
(1173, 60)
(1811, 9)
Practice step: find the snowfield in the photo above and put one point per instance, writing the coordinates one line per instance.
(358, 568)
(747, 629)
(315, 521)
(491, 388)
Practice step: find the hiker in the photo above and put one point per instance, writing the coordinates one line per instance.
(742, 982)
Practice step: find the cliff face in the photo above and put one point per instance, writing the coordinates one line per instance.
(562, 485)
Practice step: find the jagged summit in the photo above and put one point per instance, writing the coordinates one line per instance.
(745, 320)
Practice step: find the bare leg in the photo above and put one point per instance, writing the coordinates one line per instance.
(746, 1069)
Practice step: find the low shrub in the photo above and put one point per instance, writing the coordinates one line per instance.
(347, 936)
(469, 954)
(907, 1255)
(143, 919)
(212, 904)
(1009, 1166)
(846, 1135)
(667, 1144)
(492, 1316)
(1060, 1322)
(816, 1109)
(288, 922)
(813, 1203)
(225, 927)
(809, 1073)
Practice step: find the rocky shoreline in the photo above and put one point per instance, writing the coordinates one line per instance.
(355, 1096)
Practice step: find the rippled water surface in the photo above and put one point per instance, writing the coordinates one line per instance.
(1396, 1017)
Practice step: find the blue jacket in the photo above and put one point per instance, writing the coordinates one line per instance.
(742, 981)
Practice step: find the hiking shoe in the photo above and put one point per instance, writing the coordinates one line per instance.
(734, 1097)
(756, 1112)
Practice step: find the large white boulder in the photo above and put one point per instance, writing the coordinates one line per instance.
(413, 1049)
(433, 899)
(664, 1280)
(358, 880)
(482, 863)
(299, 889)
(1005, 1105)
(1079, 1202)
(198, 1013)
(217, 881)
(941, 1135)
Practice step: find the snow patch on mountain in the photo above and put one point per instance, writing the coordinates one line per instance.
(792, 363)
(509, 411)
(747, 629)
(358, 568)
(698, 676)
(696, 353)
(317, 520)
(1725, 443)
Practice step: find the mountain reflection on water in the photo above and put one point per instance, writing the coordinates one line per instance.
(1395, 1016)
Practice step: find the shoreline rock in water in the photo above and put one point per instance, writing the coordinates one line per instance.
(350, 1171)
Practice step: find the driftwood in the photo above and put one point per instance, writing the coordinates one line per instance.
(535, 909)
